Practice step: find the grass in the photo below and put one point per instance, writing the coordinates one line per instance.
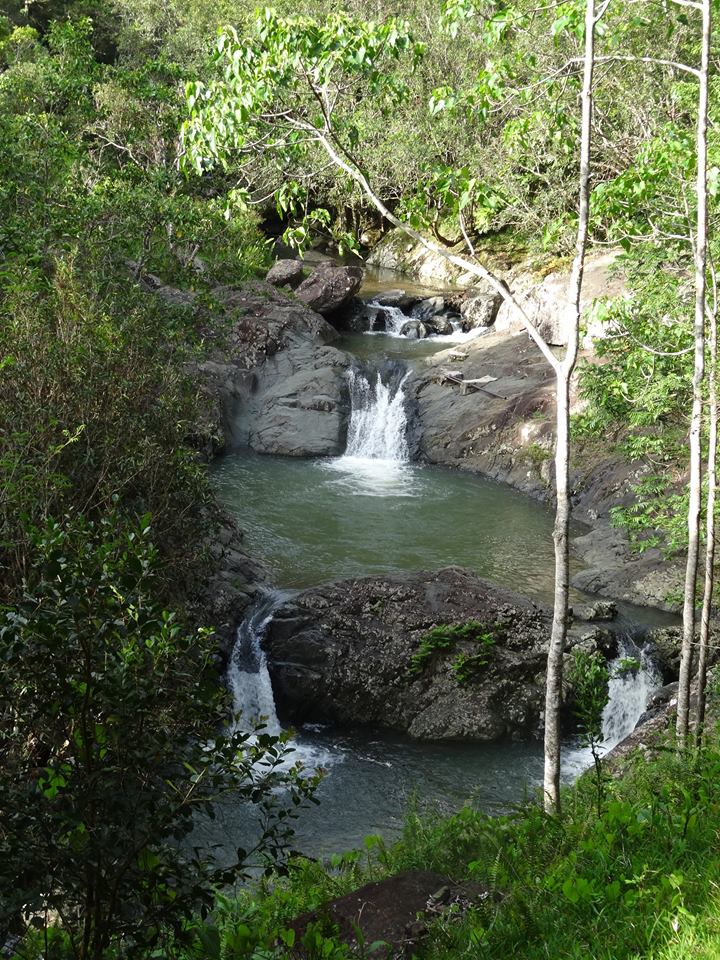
(639, 881)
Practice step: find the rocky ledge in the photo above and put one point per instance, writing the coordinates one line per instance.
(397, 652)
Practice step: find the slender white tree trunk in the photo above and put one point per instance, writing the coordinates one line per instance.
(561, 532)
(709, 532)
(693, 524)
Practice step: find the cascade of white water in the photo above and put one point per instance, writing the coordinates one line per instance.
(247, 673)
(378, 421)
(393, 316)
(628, 694)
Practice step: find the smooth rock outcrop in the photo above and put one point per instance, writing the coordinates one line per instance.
(414, 330)
(304, 409)
(342, 653)
(329, 287)
(426, 309)
(272, 383)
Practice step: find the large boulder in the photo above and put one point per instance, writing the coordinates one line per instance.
(441, 324)
(544, 300)
(330, 287)
(304, 412)
(480, 309)
(343, 653)
(286, 273)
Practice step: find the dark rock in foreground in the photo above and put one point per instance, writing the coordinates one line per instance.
(342, 654)
(388, 915)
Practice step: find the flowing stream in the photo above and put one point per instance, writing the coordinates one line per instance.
(374, 511)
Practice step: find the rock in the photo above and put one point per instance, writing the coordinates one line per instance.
(330, 287)
(233, 578)
(593, 641)
(480, 309)
(414, 330)
(600, 610)
(286, 273)
(441, 325)
(385, 912)
(425, 309)
(394, 298)
(300, 406)
(545, 300)
(341, 654)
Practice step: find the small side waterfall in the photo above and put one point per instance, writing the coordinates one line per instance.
(247, 673)
(378, 421)
(628, 695)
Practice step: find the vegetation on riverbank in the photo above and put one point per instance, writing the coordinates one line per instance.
(636, 881)
(104, 509)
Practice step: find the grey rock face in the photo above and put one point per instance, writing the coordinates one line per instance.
(342, 653)
(414, 330)
(305, 412)
(425, 309)
(329, 287)
(441, 324)
(395, 298)
(601, 610)
(286, 273)
(480, 310)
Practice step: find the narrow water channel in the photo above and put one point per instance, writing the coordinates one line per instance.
(373, 511)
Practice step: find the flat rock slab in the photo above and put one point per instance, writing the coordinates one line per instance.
(384, 912)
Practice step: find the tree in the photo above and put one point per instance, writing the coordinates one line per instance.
(694, 507)
(295, 87)
(111, 739)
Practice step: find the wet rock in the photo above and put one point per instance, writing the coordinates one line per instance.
(330, 287)
(342, 654)
(300, 406)
(414, 330)
(441, 324)
(286, 273)
(600, 610)
(480, 310)
(425, 309)
(395, 298)
(232, 581)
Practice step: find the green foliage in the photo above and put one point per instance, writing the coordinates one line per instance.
(588, 676)
(630, 882)
(95, 409)
(445, 637)
(110, 731)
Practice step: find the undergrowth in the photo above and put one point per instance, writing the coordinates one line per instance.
(636, 881)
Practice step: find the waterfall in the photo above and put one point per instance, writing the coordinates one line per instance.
(247, 674)
(378, 422)
(393, 316)
(628, 695)
(249, 682)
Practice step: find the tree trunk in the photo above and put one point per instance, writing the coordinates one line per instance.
(561, 532)
(709, 533)
(693, 522)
